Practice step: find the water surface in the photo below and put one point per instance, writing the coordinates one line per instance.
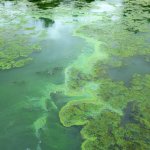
(28, 114)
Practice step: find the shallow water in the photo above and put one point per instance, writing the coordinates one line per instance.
(133, 65)
(24, 93)
(32, 96)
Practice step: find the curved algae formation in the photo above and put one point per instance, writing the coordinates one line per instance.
(79, 112)
(117, 115)
(107, 128)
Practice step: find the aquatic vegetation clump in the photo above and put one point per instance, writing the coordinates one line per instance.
(16, 52)
(100, 132)
(107, 131)
(120, 43)
(79, 112)
(117, 119)
(46, 4)
(122, 118)
(115, 93)
(117, 37)
(17, 44)
(77, 79)
(136, 15)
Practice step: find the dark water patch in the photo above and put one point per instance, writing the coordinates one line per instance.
(19, 83)
(131, 66)
(47, 22)
(52, 139)
(51, 72)
(55, 3)
(46, 4)
(130, 112)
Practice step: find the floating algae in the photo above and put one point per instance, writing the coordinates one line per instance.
(79, 112)
(136, 15)
(114, 115)
(39, 124)
(17, 52)
(122, 120)
(117, 96)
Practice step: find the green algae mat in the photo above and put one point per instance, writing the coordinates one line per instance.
(75, 75)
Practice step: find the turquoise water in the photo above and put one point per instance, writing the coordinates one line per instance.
(28, 111)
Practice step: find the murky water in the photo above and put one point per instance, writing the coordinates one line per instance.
(25, 92)
(132, 65)
(31, 96)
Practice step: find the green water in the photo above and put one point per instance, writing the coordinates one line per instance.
(28, 115)
(32, 96)
(21, 93)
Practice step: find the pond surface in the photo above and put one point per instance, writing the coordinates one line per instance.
(24, 92)
(39, 42)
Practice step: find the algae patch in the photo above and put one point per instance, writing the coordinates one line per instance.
(114, 115)
(17, 37)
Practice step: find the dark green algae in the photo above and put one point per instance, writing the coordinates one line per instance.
(114, 115)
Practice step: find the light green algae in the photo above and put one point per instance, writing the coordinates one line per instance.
(16, 44)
